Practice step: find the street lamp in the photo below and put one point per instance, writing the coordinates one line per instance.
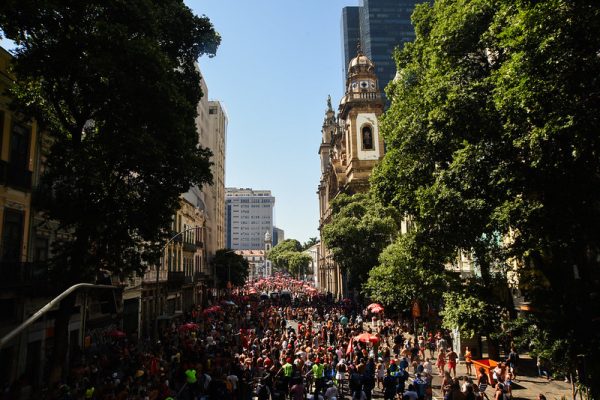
(157, 276)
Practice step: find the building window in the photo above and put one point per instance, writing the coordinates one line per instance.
(367, 137)
(12, 235)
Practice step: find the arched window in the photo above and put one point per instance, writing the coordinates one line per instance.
(367, 137)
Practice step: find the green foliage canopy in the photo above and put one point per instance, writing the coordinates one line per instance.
(493, 134)
(288, 255)
(360, 229)
(230, 266)
(116, 86)
(405, 273)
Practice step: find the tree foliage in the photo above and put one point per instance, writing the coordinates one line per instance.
(116, 86)
(360, 229)
(407, 272)
(492, 146)
(230, 267)
(288, 255)
(310, 242)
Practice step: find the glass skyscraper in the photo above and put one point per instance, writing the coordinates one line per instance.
(350, 36)
(382, 26)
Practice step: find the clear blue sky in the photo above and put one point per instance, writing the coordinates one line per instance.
(278, 61)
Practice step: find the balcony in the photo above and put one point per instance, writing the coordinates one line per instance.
(150, 276)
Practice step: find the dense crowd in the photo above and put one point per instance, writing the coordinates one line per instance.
(254, 347)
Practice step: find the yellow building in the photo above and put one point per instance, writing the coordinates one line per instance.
(24, 287)
(351, 146)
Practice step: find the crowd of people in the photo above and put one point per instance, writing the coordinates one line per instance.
(247, 348)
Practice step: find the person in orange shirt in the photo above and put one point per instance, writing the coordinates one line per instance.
(468, 360)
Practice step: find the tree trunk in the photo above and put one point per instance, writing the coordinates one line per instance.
(61, 340)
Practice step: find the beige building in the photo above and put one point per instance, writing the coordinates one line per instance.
(211, 125)
(351, 146)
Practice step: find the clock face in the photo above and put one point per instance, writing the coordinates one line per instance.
(364, 84)
(372, 85)
(354, 85)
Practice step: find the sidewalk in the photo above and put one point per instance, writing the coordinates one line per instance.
(526, 387)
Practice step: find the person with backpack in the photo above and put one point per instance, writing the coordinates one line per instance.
(389, 386)
(262, 391)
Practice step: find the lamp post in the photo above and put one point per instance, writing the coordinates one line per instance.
(157, 276)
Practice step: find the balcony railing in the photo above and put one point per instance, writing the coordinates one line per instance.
(189, 246)
(150, 276)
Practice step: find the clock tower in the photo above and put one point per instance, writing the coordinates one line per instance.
(358, 115)
(351, 146)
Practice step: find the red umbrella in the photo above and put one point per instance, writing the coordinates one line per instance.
(366, 338)
(115, 333)
(372, 305)
(377, 310)
(190, 326)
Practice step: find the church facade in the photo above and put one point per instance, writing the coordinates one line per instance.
(351, 145)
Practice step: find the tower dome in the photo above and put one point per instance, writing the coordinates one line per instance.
(360, 63)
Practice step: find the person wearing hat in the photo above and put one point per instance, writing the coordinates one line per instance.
(318, 371)
(389, 386)
(285, 374)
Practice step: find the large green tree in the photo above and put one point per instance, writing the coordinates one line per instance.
(492, 146)
(408, 272)
(289, 256)
(230, 267)
(116, 87)
(360, 229)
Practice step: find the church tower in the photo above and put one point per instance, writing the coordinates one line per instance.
(351, 146)
(358, 114)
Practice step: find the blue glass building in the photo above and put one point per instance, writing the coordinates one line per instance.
(382, 26)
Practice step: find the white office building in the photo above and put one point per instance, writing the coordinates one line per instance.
(248, 216)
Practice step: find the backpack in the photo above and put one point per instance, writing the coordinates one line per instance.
(263, 392)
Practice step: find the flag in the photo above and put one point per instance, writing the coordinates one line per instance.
(350, 349)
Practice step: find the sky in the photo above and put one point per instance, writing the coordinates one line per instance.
(277, 63)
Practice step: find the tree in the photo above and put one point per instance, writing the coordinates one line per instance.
(299, 263)
(230, 267)
(492, 147)
(406, 273)
(360, 229)
(115, 85)
(280, 254)
(288, 255)
(310, 243)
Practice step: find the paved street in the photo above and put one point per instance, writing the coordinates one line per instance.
(526, 387)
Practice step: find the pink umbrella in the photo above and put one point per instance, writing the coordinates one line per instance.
(190, 326)
(366, 338)
(115, 333)
(377, 310)
(370, 306)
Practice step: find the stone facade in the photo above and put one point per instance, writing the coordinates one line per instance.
(351, 146)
